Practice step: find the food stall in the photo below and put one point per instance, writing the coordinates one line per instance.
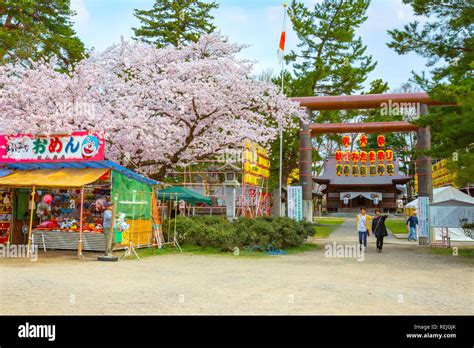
(53, 190)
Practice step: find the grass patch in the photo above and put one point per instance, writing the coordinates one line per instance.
(303, 248)
(197, 250)
(462, 252)
(396, 226)
(325, 226)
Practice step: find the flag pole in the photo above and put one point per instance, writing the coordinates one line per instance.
(282, 40)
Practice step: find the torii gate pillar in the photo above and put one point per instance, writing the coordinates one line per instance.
(423, 168)
(306, 178)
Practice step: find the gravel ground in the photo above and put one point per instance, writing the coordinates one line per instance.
(404, 279)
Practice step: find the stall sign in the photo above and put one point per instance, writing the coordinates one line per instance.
(256, 163)
(424, 217)
(4, 232)
(441, 176)
(252, 179)
(6, 210)
(295, 202)
(75, 146)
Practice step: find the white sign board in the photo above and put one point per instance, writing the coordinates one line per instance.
(423, 217)
(295, 202)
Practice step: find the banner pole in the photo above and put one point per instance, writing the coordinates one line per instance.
(280, 186)
(30, 230)
(79, 245)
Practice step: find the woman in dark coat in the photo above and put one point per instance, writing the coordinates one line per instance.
(379, 229)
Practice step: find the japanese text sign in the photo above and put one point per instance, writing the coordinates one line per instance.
(76, 146)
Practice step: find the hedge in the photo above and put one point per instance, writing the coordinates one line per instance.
(218, 232)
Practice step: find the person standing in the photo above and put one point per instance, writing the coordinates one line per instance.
(412, 224)
(108, 229)
(363, 227)
(379, 229)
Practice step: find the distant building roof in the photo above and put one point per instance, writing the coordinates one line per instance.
(329, 177)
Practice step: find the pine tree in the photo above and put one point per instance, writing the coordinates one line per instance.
(447, 41)
(175, 22)
(36, 30)
(331, 61)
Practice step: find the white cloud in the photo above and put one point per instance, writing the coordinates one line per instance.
(235, 15)
(82, 14)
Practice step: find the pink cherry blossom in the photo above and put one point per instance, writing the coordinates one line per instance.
(158, 107)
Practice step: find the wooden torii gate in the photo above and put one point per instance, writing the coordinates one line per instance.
(368, 101)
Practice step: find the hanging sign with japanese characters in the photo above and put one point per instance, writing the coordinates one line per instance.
(377, 162)
(76, 146)
(256, 164)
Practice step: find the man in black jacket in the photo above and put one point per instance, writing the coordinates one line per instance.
(379, 229)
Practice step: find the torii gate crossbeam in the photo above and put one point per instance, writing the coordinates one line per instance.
(420, 101)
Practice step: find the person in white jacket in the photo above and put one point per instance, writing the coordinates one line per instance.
(363, 224)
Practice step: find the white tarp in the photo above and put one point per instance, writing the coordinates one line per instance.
(456, 235)
(446, 194)
(451, 216)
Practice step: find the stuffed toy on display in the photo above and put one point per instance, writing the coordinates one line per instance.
(43, 209)
(48, 224)
(120, 222)
(69, 224)
(99, 204)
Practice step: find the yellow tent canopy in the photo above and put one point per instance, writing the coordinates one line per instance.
(66, 177)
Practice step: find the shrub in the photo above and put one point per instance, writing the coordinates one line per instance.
(217, 232)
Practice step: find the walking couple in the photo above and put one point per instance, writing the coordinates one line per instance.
(365, 223)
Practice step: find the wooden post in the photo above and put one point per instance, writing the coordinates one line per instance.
(112, 220)
(139, 215)
(79, 245)
(32, 211)
(130, 242)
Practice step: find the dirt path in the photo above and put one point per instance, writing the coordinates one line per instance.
(404, 279)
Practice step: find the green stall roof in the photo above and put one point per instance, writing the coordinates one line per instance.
(181, 193)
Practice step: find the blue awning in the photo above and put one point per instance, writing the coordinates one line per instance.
(5, 172)
(86, 164)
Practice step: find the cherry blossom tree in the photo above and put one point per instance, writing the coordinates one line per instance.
(158, 107)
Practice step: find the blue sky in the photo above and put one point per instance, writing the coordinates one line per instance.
(258, 23)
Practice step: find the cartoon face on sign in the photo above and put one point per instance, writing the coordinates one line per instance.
(90, 146)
